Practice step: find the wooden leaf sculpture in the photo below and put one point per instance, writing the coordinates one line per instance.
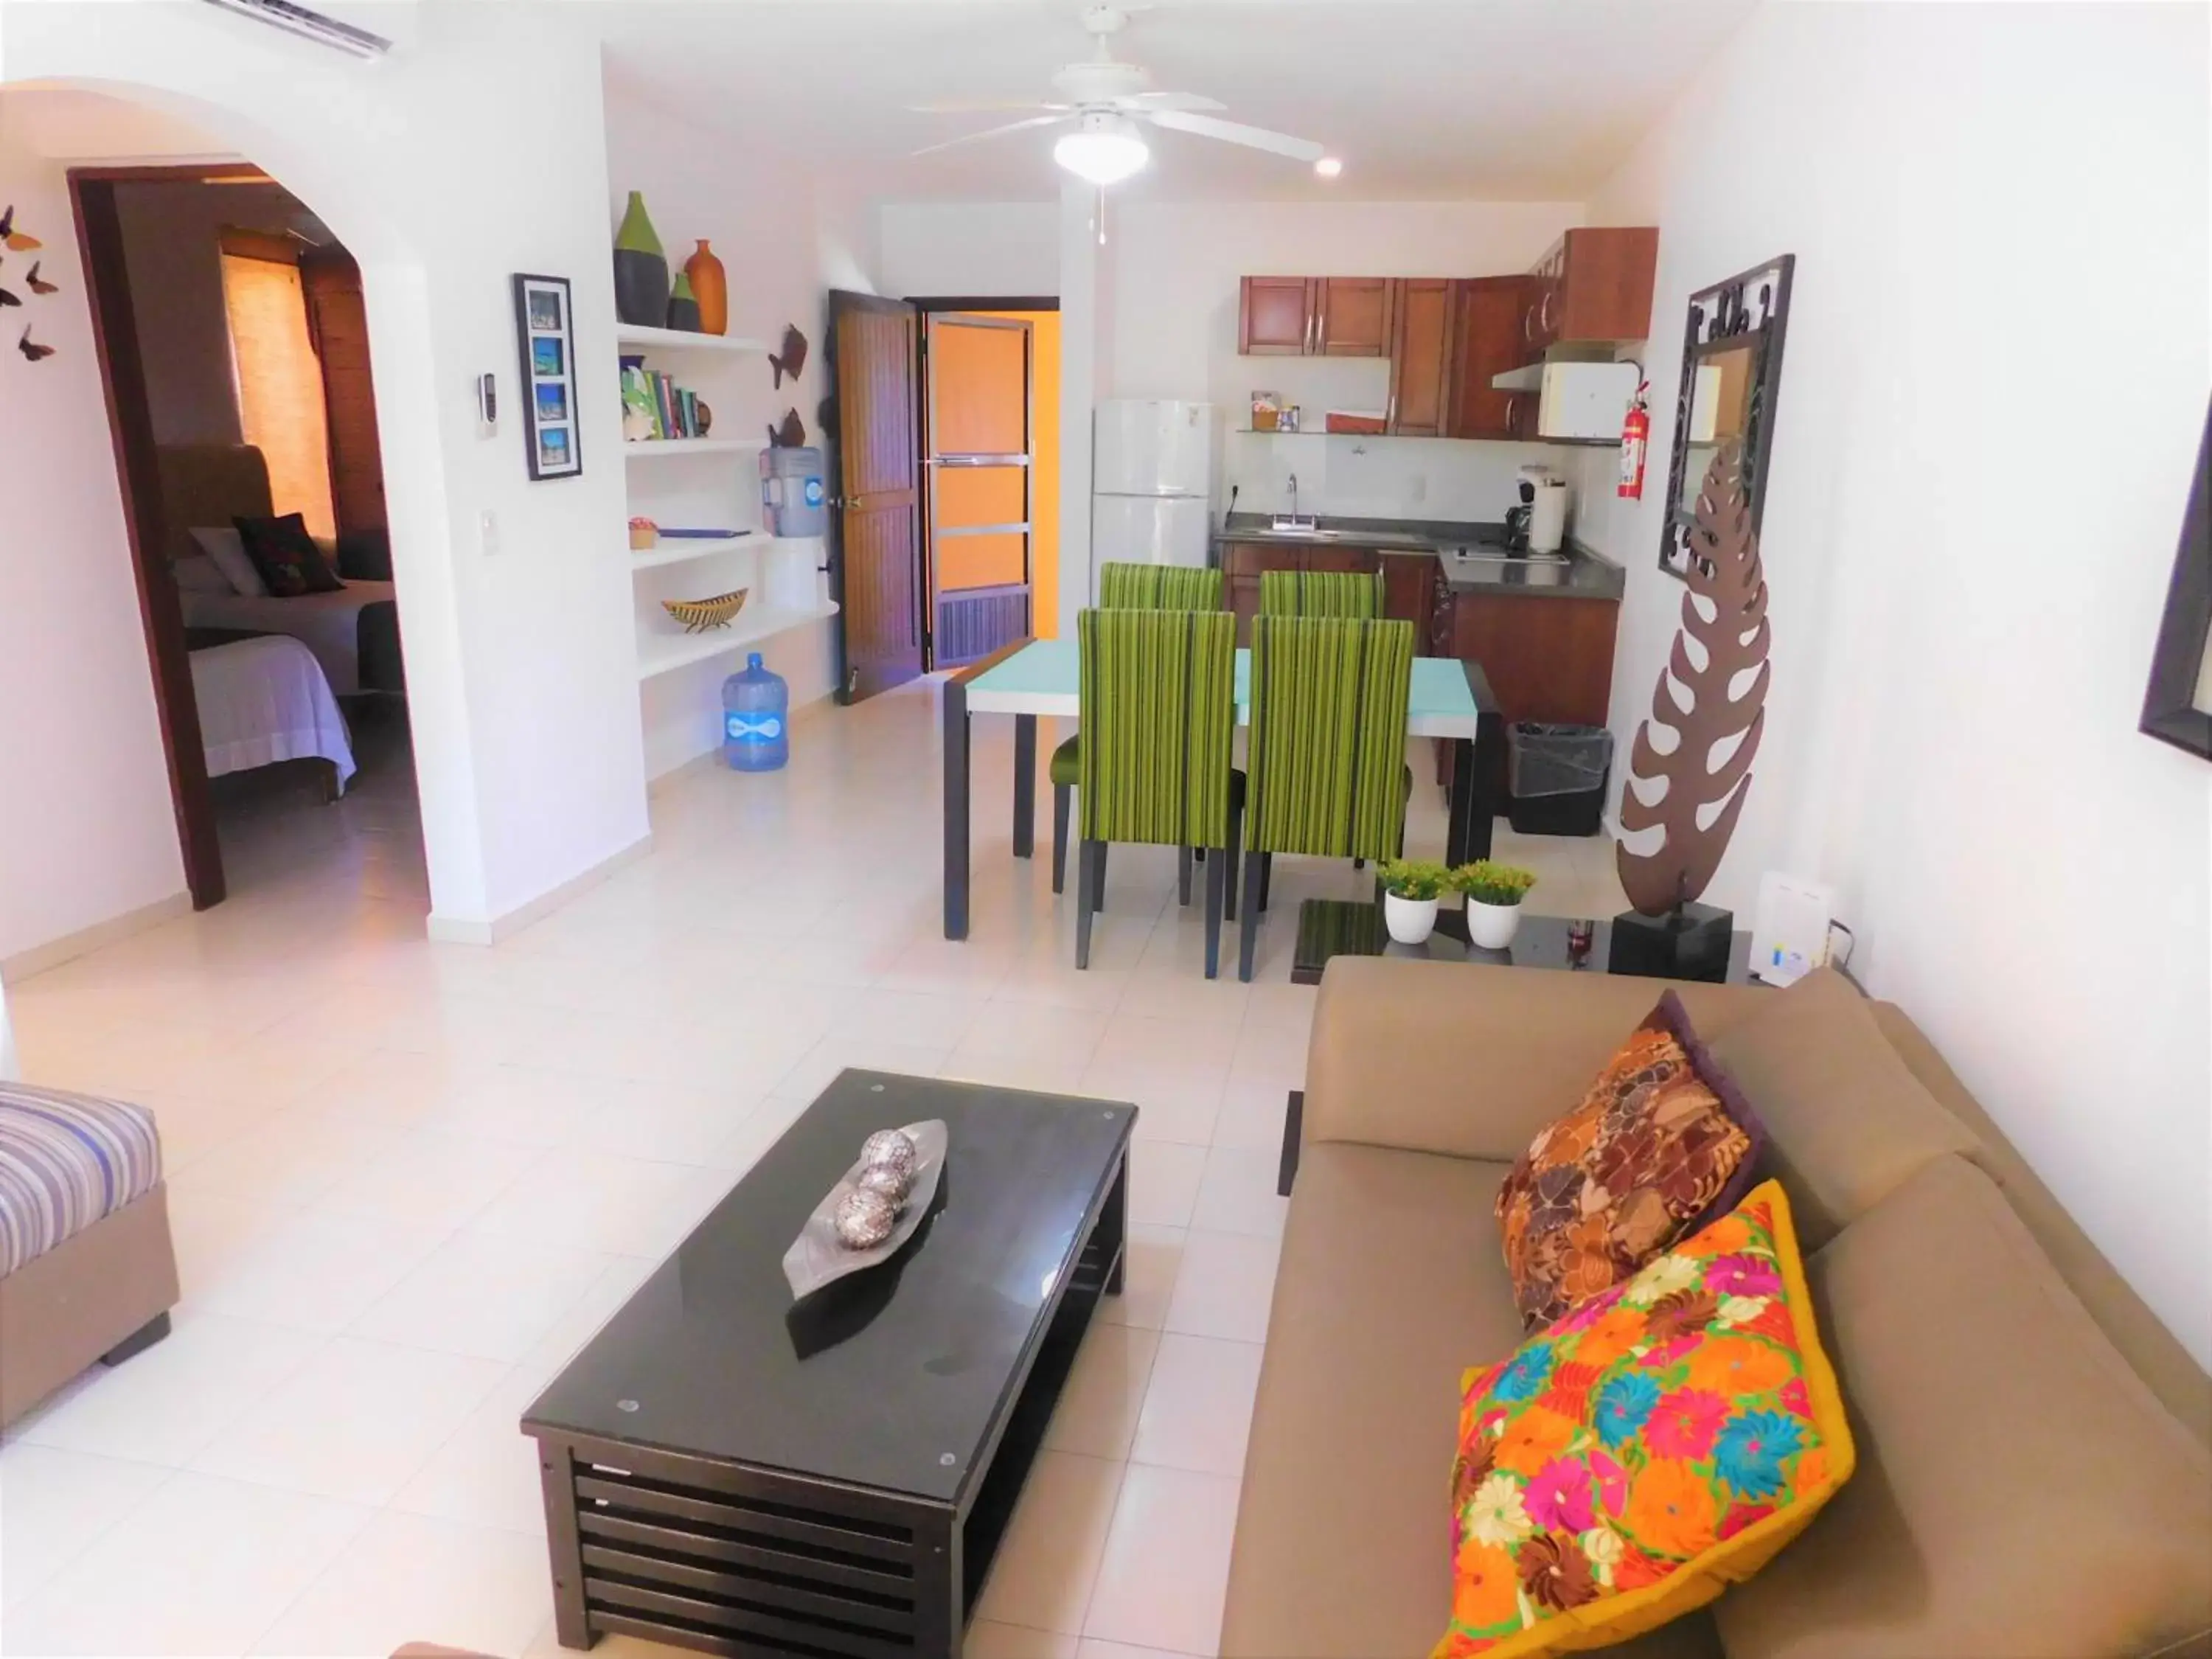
(1724, 572)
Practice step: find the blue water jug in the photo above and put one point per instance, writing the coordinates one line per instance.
(755, 719)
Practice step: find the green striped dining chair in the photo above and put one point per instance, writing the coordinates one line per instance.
(1322, 593)
(1158, 706)
(1128, 587)
(1326, 753)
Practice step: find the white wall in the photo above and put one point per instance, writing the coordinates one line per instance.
(86, 833)
(1176, 267)
(520, 664)
(1994, 388)
(943, 249)
(784, 244)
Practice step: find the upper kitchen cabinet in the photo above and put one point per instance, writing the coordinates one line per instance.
(1314, 316)
(1485, 325)
(1421, 357)
(1352, 316)
(1593, 285)
(1275, 316)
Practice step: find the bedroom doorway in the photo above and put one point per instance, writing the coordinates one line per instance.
(233, 343)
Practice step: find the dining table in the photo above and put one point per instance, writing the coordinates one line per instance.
(1449, 699)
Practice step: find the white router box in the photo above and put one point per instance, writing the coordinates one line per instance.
(1789, 931)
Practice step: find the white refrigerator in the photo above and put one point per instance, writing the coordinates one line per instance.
(1151, 482)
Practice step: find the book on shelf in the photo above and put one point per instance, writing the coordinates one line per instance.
(654, 406)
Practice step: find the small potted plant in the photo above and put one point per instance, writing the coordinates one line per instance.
(1494, 892)
(1410, 888)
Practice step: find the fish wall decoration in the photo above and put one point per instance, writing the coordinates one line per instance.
(791, 358)
(12, 238)
(30, 348)
(38, 284)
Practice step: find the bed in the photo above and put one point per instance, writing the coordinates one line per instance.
(265, 700)
(354, 634)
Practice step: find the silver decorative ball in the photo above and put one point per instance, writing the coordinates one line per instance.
(888, 1179)
(894, 1148)
(864, 1219)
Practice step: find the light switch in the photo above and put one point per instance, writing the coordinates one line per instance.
(488, 531)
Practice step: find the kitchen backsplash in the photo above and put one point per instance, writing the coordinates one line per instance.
(1366, 477)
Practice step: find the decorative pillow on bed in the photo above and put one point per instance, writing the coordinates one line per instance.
(1661, 1443)
(228, 548)
(286, 555)
(201, 574)
(1662, 1141)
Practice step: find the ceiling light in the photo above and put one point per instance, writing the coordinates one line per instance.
(1328, 167)
(1105, 149)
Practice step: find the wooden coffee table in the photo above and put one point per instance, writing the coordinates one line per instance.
(727, 1470)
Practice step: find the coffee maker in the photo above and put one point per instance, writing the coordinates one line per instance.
(1539, 524)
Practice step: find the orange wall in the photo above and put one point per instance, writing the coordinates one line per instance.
(1044, 511)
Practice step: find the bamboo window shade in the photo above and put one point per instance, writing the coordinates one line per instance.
(281, 410)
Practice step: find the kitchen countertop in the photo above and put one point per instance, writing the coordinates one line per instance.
(1586, 575)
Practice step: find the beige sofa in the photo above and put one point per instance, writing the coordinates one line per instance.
(2035, 1448)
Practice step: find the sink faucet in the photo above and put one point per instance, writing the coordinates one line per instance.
(1294, 495)
(1290, 520)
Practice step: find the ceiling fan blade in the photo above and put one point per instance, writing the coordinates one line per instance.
(990, 132)
(1146, 103)
(983, 107)
(1302, 150)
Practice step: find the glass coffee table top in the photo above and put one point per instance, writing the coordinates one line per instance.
(896, 1377)
(1343, 927)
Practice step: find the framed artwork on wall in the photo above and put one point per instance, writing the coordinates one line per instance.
(1731, 375)
(2178, 702)
(547, 331)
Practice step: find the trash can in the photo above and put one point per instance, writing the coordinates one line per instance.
(1556, 777)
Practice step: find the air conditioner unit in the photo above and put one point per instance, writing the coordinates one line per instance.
(310, 25)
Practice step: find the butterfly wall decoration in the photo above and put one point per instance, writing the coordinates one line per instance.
(13, 240)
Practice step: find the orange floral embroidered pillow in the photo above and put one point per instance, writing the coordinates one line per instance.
(1662, 1141)
(1662, 1441)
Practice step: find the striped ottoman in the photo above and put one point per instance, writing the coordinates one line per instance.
(86, 1267)
(67, 1161)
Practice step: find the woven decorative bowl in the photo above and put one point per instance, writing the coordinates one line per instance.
(697, 616)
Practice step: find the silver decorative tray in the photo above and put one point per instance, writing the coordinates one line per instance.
(816, 1257)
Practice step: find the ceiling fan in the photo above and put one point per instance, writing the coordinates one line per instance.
(1109, 101)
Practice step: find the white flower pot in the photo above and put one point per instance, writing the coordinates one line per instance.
(1410, 920)
(1492, 926)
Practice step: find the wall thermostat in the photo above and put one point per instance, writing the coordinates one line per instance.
(487, 404)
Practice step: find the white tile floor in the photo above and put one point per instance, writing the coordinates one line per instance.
(408, 1180)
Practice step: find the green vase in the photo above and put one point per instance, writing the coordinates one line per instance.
(684, 306)
(640, 269)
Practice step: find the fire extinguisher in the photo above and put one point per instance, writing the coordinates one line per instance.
(1635, 441)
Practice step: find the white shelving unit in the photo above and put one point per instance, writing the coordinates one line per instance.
(780, 576)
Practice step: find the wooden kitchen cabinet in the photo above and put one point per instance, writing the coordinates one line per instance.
(1421, 357)
(1594, 284)
(1548, 657)
(1352, 316)
(1409, 594)
(1242, 564)
(1274, 316)
(1486, 341)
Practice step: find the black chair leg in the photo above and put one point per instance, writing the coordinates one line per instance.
(1359, 864)
(1061, 800)
(1267, 861)
(1231, 857)
(1090, 855)
(1248, 941)
(1217, 896)
(1098, 882)
(1182, 876)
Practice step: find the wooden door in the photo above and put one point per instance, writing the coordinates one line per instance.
(874, 348)
(1274, 317)
(977, 373)
(1352, 316)
(337, 321)
(1486, 322)
(1421, 357)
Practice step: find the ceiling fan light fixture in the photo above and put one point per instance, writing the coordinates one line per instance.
(1105, 149)
(1329, 167)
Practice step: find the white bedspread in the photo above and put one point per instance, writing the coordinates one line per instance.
(328, 624)
(266, 700)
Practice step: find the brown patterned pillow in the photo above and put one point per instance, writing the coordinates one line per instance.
(1662, 1141)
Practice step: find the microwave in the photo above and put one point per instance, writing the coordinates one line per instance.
(1577, 401)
